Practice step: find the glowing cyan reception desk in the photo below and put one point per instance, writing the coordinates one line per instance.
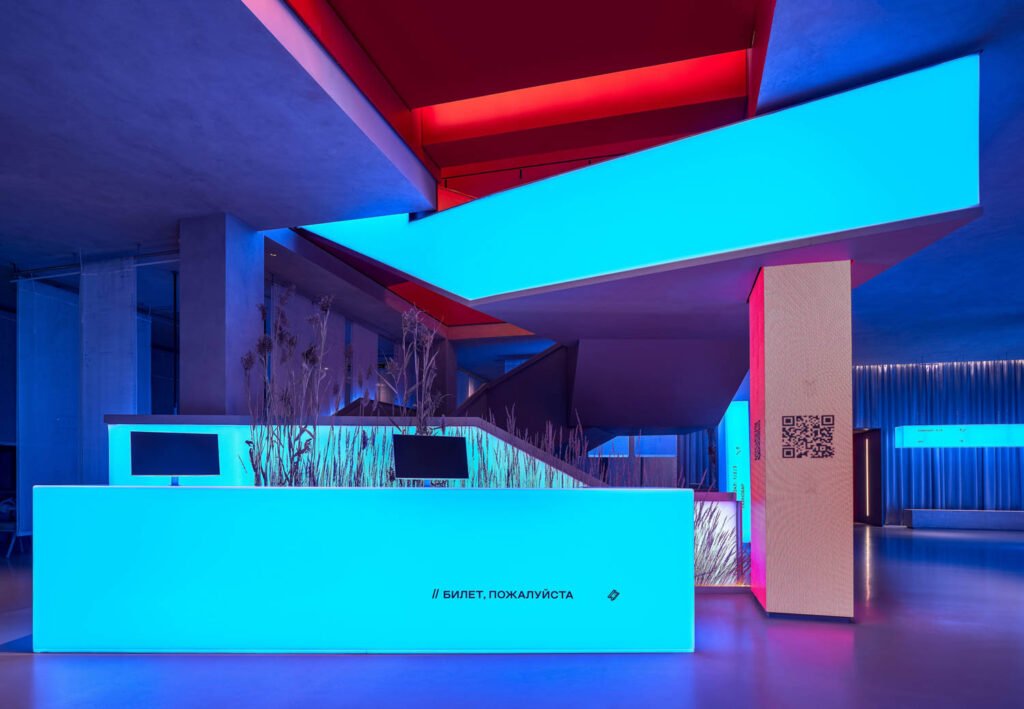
(362, 570)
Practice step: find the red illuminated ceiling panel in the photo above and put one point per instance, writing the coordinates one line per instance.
(600, 137)
(492, 95)
(436, 52)
(476, 87)
(653, 88)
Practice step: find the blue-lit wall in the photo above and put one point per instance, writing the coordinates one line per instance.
(889, 396)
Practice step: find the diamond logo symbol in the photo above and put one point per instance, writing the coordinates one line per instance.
(613, 595)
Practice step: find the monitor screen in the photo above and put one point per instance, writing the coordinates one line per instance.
(431, 457)
(175, 454)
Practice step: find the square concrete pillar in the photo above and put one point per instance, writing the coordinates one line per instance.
(363, 344)
(49, 392)
(110, 356)
(222, 286)
(801, 419)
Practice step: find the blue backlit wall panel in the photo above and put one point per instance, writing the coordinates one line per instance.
(957, 395)
(993, 435)
(734, 457)
(900, 149)
(195, 569)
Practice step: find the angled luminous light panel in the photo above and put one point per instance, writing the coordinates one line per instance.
(996, 435)
(734, 457)
(874, 155)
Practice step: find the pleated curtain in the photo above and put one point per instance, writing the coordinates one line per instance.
(694, 470)
(886, 396)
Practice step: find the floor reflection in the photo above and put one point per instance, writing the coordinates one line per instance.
(940, 622)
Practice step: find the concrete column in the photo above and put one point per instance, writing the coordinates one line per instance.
(145, 401)
(801, 413)
(108, 311)
(447, 376)
(48, 392)
(363, 345)
(221, 288)
(297, 309)
(8, 377)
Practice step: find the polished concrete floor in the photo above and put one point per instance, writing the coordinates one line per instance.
(940, 623)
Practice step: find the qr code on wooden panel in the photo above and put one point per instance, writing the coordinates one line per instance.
(808, 436)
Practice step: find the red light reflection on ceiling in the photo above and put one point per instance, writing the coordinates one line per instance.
(692, 81)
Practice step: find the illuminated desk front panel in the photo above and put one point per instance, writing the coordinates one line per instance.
(430, 570)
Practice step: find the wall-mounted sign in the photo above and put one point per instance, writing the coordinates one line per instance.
(996, 435)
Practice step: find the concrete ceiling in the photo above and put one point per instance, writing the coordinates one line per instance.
(118, 119)
(961, 298)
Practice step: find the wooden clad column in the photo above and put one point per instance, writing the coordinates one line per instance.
(801, 414)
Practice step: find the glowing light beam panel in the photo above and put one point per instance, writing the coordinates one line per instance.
(871, 156)
(734, 457)
(418, 570)
(996, 435)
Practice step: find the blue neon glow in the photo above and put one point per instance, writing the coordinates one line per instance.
(617, 447)
(996, 435)
(656, 446)
(643, 447)
(734, 457)
(900, 149)
(196, 569)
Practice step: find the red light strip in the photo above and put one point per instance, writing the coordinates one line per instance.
(711, 78)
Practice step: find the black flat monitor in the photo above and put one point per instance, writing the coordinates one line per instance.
(431, 457)
(175, 454)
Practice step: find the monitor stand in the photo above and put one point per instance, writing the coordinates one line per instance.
(174, 481)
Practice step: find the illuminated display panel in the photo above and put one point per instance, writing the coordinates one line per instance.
(359, 570)
(996, 435)
(871, 156)
(734, 457)
(488, 456)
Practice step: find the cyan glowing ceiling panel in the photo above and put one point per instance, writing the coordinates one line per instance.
(900, 149)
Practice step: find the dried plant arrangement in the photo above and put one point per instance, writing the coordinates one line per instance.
(286, 386)
(411, 374)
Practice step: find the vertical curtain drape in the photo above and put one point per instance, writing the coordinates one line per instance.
(886, 396)
(694, 470)
(48, 393)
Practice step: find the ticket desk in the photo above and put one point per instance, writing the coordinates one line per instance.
(362, 570)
